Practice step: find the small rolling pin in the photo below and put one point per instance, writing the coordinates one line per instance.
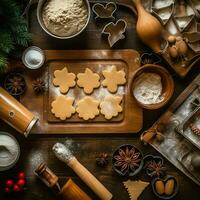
(70, 191)
(65, 155)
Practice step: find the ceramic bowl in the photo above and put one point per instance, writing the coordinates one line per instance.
(3, 152)
(165, 197)
(40, 20)
(127, 172)
(167, 84)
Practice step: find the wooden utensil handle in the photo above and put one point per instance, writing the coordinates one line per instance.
(90, 179)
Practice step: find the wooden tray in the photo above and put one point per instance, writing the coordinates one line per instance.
(175, 147)
(129, 121)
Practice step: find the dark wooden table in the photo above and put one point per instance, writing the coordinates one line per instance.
(36, 149)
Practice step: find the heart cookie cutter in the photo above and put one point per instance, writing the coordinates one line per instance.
(104, 12)
(115, 31)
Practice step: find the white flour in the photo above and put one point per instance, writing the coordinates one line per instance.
(62, 152)
(148, 88)
(9, 150)
(65, 17)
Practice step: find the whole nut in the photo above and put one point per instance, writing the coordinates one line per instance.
(171, 39)
(160, 188)
(173, 52)
(169, 187)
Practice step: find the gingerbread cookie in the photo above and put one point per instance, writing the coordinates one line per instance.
(88, 81)
(110, 106)
(87, 108)
(64, 80)
(113, 78)
(62, 107)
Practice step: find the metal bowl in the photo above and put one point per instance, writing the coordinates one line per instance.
(40, 20)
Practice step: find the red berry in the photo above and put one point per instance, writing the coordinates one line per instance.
(9, 183)
(7, 190)
(21, 175)
(21, 182)
(16, 188)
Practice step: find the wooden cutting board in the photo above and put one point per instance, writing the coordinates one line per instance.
(129, 121)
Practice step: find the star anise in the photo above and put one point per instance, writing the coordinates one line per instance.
(127, 160)
(15, 84)
(102, 159)
(154, 168)
(39, 86)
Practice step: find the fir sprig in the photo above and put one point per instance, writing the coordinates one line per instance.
(13, 30)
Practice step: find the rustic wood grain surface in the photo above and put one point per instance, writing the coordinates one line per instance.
(36, 148)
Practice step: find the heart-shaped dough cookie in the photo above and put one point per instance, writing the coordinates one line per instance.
(64, 80)
(88, 81)
(113, 78)
(110, 106)
(62, 107)
(87, 108)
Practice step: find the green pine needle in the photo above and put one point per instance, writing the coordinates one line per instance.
(3, 61)
(6, 42)
(13, 31)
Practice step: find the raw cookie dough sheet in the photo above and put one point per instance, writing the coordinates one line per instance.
(77, 93)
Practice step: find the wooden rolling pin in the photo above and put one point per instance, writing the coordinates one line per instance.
(64, 154)
(71, 191)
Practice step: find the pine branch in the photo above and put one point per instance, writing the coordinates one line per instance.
(6, 42)
(3, 61)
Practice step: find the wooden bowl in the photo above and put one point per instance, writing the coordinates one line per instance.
(167, 84)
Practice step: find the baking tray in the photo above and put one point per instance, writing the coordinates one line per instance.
(129, 121)
(175, 147)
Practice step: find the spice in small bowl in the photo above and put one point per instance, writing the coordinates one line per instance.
(154, 166)
(127, 160)
(15, 84)
(152, 86)
(166, 188)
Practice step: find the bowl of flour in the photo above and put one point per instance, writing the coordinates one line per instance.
(152, 86)
(63, 19)
(9, 151)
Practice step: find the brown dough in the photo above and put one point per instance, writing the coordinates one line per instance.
(135, 188)
(64, 79)
(62, 107)
(88, 81)
(87, 108)
(113, 78)
(110, 106)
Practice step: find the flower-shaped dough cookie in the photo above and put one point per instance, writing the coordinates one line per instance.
(62, 107)
(87, 108)
(64, 79)
(110, 106)
(88, 81)
(113, 78)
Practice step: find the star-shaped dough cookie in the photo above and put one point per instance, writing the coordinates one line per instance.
(64, 79)
(87, 108)
(88, 81)
(110, 106)
(113, 78)
(62, 107)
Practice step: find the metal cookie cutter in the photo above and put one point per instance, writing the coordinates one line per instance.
(115, 31)
(104, 12)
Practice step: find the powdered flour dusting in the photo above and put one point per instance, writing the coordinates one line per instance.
(65, 17)
(148, 88)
